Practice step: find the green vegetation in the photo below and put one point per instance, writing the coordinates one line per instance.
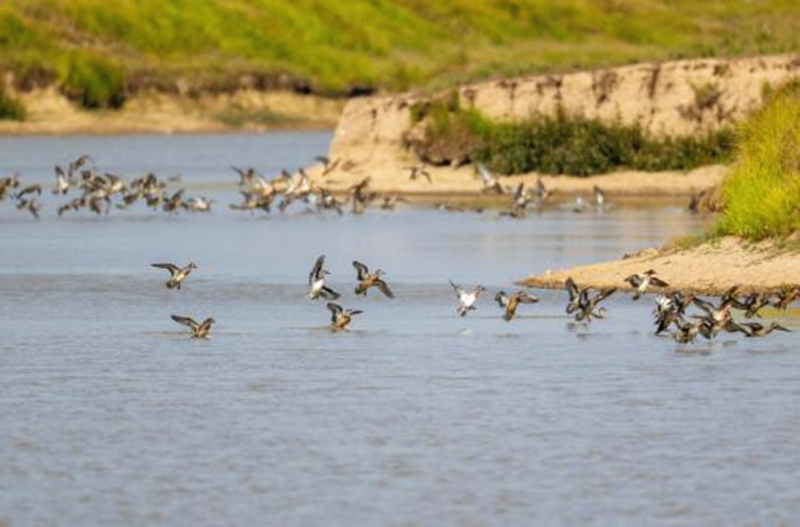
(10, 108)
(762, 195)
(559, 144)
(92, 47)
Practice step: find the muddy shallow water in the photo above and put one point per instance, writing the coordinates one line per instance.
(112, 415)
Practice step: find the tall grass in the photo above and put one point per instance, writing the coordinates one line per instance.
(10, 108)
(394, 44)
(762, 195)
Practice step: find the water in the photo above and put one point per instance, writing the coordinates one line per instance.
(112, 415)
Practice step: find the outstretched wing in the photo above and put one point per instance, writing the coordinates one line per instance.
(361, 269)
(634, 280)
(384, 288)
(172, 268)
(527, 298)
(602, 295)
(335, 310)
(658, 282)
(186, 321)
(315, 271)
(702, 304)
(459, 291)
(572, 289)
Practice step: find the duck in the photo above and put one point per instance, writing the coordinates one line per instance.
(359, 196)
(687, 331)
(786, 296)
(754, 329)
(367, 280)
(316, 281)
(341, 318)
(7, 184)
(641, 282)
(199, 204)
(599, 197)
(30, 189)
(199, 330)
(490, 182)
(417, 171)
(587, 307)
(466, 300)
(718, 317)
(177, 274)
(328, 165)
(510, 303)
(63, 184)
(390, 202)
(247, 176)
(31, 205)
(753, 303)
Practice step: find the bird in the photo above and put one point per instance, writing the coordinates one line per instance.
(328, 165)
(30, 189)
(490, 182)
(359, 196)
(754, 329)
(199, 331)
(31, 205)
(510, 303)
(640, 283)
(466, 301)
(63, 183)
(753, 303)
(390, 202)
(718, 317)
(587, 304)
(687, 331)
(367, 280)
(316, 281)
(786, 296)
(199, 204)
(341, 318)
(417, 171)
(177, 274)
(599, 197)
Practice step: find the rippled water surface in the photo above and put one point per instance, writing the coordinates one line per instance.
(112, 415)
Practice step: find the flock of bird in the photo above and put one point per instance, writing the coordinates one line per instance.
(583, 303)
(101, 192)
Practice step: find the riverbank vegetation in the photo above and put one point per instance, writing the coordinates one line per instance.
(96, 52)
(761, 196)
(10, 108)
(557, 144)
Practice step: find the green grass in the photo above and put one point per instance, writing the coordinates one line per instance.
(761, 197)
(91, 46)
(558, 144)
(10, 108)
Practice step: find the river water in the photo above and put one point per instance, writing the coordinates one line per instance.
(110, 414)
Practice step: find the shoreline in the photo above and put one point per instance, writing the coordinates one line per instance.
(710, 268)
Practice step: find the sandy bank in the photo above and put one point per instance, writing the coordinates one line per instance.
(49, 112)
(392, 176)
(710, 268)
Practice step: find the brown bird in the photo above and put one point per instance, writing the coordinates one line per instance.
(510, 303)
(199, 331)
(367, 280)
(641, 282)
(177, 274)
(417, 171)
(341, 318)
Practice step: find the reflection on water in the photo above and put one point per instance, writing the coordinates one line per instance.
(112, 415)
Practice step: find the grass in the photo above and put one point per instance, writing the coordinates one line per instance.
(90, 47)
(10, 108)
(558, 144)
(761, 197)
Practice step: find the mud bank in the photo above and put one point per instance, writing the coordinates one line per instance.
(672, 98)
(711, 268)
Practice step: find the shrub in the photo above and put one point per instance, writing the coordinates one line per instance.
(93, 81)
(10, 108)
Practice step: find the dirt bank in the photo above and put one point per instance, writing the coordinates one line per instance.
(710, 268)
(49, 112)
(674, 98)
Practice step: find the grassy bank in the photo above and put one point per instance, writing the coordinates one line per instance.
(761, 196)
(558, 144)
(96, 51)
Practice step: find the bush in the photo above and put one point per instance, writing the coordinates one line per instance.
(10, 108)
(761, 196)
(559, 144)
(93, 81)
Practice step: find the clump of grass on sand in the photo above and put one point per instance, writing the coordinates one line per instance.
(761, 196)
(558, 144)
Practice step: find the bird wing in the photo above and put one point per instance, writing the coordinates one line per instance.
(527, 298)
(459, 291)
(486, 176)
(634, 280)
(501, 299)
(658, 282)
(186, 321)
(172, 268)
(315, 271)
(602, 295)
(572, 289)
(361, 269)
(702, 304)
(335, 310)
(384, 288)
